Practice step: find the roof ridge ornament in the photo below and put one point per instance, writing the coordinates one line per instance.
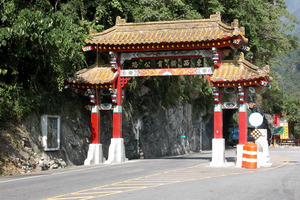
(242, 29)
(119, 20)
(239, 58)
(267, 69)
(235, 23)
(216, 16)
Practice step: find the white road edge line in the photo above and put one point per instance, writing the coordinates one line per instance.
(65, 172)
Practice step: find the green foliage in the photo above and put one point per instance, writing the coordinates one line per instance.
(153, 10)
(272, 100)
(41, 40)
(292, 109)
(288, 67)
(39, 49)
(263, 22)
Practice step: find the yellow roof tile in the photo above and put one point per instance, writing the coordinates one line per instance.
(167, 32)
(94, 75)
(238, 70)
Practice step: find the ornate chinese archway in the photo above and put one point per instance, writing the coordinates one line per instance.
(236, 77)
(168, 48)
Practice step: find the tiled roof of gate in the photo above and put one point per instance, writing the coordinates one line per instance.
(238, 70)
(168, 32)
(94, 75)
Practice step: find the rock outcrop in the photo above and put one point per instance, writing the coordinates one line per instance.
(148, 133)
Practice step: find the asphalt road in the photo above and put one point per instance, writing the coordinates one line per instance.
(186, 177)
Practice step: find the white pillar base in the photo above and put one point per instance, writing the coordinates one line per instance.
(95, 155)
(218, 153)
(263, 155)
(116, 153)
(239, 155)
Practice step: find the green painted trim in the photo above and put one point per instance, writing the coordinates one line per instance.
(243, 108)
(218, 108)
(117, 109)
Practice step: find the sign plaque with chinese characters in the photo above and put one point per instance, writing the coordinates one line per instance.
(165, 67)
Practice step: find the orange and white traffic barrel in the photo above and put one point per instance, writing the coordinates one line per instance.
(245, 153)
(251, 162)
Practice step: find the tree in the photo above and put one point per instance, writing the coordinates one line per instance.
(265, 22)
(39, 48)
(292, 110)
(40, 40)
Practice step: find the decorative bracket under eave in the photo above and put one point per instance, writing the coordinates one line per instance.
(124, 81)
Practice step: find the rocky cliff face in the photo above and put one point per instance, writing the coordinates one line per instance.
(147, 132)
(163, 132)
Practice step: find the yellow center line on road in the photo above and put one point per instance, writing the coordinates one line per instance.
(160, 179)
(154, 181)
(140, 184)
(107, 192)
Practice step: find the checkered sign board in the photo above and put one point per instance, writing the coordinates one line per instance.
(255, 133)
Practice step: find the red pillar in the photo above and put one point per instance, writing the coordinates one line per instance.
(95, 118)
(218, 123)
(218, 114)
(243, 118)
(117, 111)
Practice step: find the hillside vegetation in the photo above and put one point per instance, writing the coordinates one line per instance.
(41, 40)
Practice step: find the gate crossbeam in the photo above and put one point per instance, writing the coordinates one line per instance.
(166, 72)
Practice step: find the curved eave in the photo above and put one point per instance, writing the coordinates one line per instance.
(225, 42)
(240, 82)
(89, 86)
(86, 82)
(93, 76)
(129, 36)
(239, 72)
(163, 40)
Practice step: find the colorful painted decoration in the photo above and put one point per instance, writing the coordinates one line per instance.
(241, 96)
(246, 48)
(113, 62)
(114, 98)
(87, 48)
(106, 106)
(215, 58)
(166, 72)
(265, 84)
(163, 63)
(230, 105)
(237, 41)
(92, 98)
(216, 97)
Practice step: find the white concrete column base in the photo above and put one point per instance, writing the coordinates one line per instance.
(218, 153)
(116, 153)
(263, 155)
(239, 155)
(95, 155)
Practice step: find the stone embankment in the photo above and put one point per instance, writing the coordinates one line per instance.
(148, 133)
